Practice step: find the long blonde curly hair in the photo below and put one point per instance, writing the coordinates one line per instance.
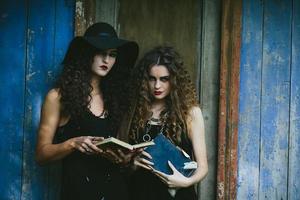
(179, 102)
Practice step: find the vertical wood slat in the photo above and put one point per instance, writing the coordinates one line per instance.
(229, 90)
(107, 11)
(275, 100)
(209, 26)
(249, 101)
(40, 35)
(148, 23)
(12, 59)
(85, 15)
(294, 144)
(64, 32)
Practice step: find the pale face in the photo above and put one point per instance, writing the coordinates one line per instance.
(103, 62)
(159, 82)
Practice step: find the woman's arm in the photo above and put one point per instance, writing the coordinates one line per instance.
(46, 151)
(197, 136)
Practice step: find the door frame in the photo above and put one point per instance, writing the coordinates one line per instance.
(229, 99)
(231, 23)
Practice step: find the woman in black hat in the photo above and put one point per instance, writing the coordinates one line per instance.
(85, 106)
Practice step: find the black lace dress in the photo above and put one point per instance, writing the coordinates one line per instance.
(89, 177)
(144, 185)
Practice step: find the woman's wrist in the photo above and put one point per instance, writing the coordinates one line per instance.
(70, 144)
(127, 164)
(188, 182)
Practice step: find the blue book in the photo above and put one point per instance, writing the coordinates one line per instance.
(164, 150)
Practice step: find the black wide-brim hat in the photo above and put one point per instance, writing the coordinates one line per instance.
(103, 36)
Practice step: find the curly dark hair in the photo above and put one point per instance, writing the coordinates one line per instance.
(75, 88)
(179, 102)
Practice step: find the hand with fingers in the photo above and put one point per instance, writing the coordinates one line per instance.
(112, 156)
(85, 144)
(143, 160)
(128, 156)
(117, 156)
(175, 180)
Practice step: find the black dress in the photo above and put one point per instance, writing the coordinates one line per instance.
(89, 177)
(144, 185)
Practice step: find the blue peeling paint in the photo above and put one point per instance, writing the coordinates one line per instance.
(33, 38)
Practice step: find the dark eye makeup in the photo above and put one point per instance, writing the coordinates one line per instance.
(152, 78)
(163, 78)
(112, 54)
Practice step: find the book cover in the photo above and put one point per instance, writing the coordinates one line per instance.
(164, 150)
(115, 144)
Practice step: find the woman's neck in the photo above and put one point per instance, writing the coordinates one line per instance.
(156, 107)
(95, 83)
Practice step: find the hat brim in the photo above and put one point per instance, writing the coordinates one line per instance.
(127, 50)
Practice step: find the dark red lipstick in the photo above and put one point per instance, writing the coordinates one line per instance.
(103, 67)
(156, 93)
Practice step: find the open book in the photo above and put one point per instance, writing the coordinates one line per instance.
(114, 144)
(164, 150)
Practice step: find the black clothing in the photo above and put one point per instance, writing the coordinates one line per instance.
(89, 177)
(144, 185)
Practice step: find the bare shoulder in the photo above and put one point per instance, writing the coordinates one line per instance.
(53, 95)
(195, 112)
(195, 123)
(52, 99)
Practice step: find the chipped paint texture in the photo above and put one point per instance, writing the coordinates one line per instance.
(269, 141)
(294, 139)
(79, 9)
(229, 89)
(33, 32)
(12, 61)
(84, 15)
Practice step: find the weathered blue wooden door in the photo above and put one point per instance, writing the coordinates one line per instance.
(269, 125)
(34, 35)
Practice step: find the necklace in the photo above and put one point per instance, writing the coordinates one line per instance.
(153, 121)
(102, 115)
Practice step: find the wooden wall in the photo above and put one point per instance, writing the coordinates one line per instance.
(155, 22)
(33, 38)
(208, 81)
(12, 62)
(33, 41)
(269, 116)
(229, 93)
(193, 28)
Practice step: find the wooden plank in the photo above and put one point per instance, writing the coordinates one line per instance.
(107, 11)
(221, 167)
(208, 82)
(64, 32)
(12, 61)
(229, 90)
(294, 145)
(152, 22)
(41, 21)
(84, 15)
(249, 101)
(275, 99)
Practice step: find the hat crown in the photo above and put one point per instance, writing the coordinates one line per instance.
(101, 29)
